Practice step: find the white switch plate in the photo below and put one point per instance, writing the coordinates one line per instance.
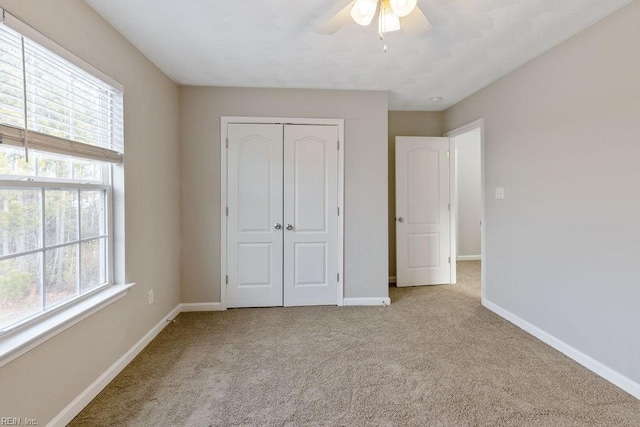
(499, 193)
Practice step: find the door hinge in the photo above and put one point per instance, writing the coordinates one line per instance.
(449, 260)
(227, 279)
(227, 142)
(338, 210)
(338, 144)
(227, 210)
(338, 277)
(449, 207)
(448, 154)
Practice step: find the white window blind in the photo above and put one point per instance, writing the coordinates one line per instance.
(68, 111)
(11, 78)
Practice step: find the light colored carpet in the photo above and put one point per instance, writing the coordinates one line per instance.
(468, 275)
(435, 357)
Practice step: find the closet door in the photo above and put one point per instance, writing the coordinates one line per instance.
(254, 225)
(310, 215)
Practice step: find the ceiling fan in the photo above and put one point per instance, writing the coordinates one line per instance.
(393, 15)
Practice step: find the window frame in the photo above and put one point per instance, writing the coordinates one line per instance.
(22, 336)
(79, 186)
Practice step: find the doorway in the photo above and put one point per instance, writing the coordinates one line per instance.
(468, 196)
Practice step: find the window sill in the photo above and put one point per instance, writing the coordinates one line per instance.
(17, 343)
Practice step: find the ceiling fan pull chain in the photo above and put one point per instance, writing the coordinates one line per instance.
(384, 45)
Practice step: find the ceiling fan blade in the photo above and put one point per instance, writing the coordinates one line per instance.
(415, 23)
(337, 21)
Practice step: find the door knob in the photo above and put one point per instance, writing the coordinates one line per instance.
(278, 226)
(289, 227)
(400, 219)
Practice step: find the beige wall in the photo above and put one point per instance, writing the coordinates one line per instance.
(365, 114)
(562, 137)
(469, 193)
(406, 123)
(42, 382)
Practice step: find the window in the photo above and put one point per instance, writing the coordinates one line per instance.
(61, 130)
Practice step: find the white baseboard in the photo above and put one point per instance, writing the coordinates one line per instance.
(201, 306)
(469, 258)
(78, 404)
(367, 301)
(392, 279)
(615, 377)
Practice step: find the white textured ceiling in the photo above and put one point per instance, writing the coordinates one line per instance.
(272, 43)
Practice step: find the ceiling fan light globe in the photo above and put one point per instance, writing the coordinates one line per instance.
(387, 21)
(403, 7)
(388, 24)
(363, 11)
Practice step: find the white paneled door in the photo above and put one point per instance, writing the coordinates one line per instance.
(282, 225)
(310, 214)
(254, 223)
(423, 235)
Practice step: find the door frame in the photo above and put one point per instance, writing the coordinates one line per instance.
(227, 120)
(454, 197)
